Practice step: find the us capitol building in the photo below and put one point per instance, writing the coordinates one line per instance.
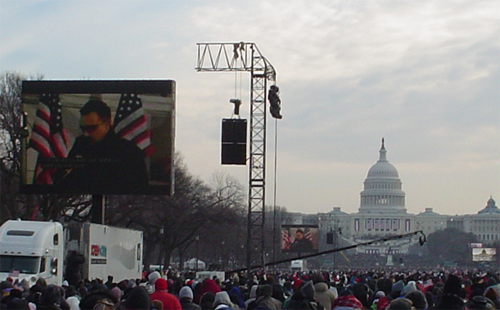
(382, 213)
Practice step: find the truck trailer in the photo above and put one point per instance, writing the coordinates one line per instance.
(32, 249)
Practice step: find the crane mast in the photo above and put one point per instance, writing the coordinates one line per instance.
(245, 56)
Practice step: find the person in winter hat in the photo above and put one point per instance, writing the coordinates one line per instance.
(401, 304)
(186, 299)
(207, 301)
(89, 301)
(418, 299)
(324, 295)
(208, 285)
(347, 301)
(410, 287)
(362, 293)
(450, 299)
(378, 295)
(265, 300)
(384, 285)
(52, 298)
(138, 299)
(303, 299)
(397, 288)
(222, 301)
(252, 296)
(170, 302)
(152, 277)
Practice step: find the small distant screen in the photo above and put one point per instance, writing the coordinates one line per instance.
(299, 239)
(483, 254)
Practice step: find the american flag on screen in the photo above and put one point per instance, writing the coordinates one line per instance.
(48, 136)
(286, 239)
(308, 234)
(131, 122)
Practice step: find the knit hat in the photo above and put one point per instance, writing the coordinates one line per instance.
(186, 292)
(117, 293)
(410, 287)
(308, 290)
(400, 304)
(345, 292)
(137, 299)
(379, 294)
(418, 299)
(397, 287)
(347, 301)
(161, 285)
(153, 276)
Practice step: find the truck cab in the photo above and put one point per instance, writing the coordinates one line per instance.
(30, 250)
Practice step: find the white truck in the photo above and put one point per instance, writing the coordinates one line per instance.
(31, 250)
(298, 265)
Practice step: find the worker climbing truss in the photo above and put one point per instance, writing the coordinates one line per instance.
(245, 56)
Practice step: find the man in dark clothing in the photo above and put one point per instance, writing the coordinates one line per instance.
(100, 161)
(74, 262)
(301, 244)
(186, 299)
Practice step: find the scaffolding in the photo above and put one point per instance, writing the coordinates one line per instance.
(245, 56)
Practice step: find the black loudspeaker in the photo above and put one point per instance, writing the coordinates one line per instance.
(329, 238)
(234, 141)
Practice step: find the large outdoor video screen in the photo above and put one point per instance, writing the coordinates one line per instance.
(483, 254)
(302, 239)
(98, 137)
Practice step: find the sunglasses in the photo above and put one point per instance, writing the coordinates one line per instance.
(90, 128)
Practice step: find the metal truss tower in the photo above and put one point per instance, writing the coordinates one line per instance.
(245, 56)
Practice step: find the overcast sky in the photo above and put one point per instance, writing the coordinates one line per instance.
(422, 74)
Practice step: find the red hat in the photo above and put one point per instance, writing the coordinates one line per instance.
(161, 284)
(297, 284)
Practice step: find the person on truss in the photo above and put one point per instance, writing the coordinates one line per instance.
(275, 101)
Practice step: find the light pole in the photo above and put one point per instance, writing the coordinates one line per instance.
(197, 251)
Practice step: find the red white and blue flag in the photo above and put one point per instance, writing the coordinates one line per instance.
(286, 239)
(48, 136)
(308, 234)
(131, 122)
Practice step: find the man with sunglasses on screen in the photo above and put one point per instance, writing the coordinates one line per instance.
(100, 161)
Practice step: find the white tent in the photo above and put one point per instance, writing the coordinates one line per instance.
(191, 264)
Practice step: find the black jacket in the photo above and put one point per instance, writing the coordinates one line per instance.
(111, 166)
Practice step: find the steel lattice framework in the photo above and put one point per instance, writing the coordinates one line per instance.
(245, 56)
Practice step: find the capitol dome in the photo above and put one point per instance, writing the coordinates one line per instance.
(490, 207)
(382, 188)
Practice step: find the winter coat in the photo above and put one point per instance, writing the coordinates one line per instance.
(323, 295)
(188, 304)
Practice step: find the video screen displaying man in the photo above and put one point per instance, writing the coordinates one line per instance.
(299, 239)
(100, 160)
(98, 137)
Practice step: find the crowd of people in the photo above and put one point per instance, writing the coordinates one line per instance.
(383, 290)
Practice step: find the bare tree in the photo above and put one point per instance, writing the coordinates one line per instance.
(10, 151)
(172, 223)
